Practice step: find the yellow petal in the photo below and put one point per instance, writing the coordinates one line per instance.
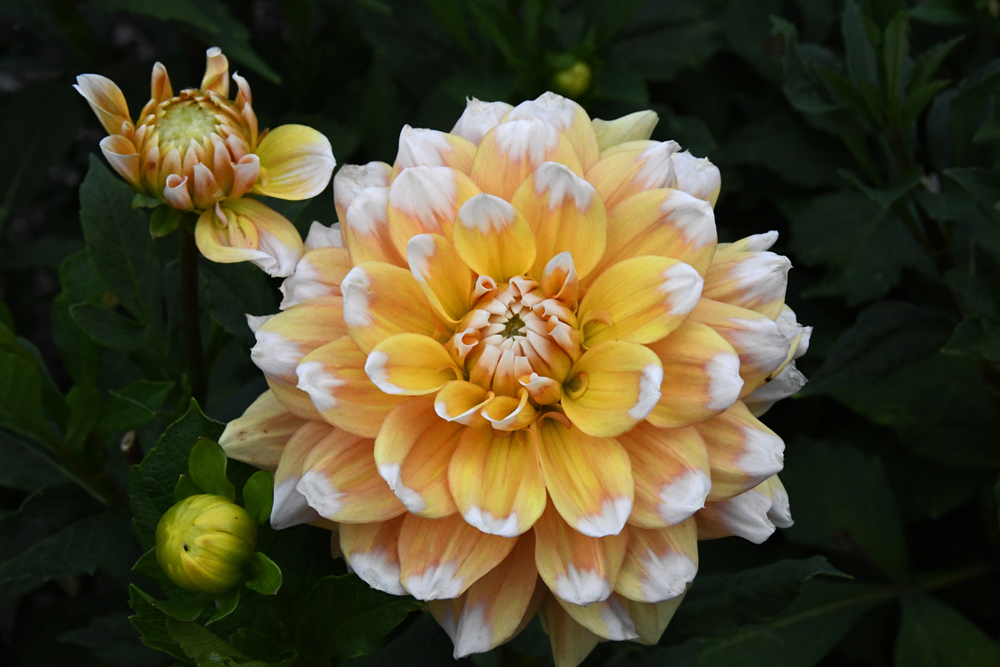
(412, 451)
(753, 280)
(652, 619)
(742, 452)
(290, 507)
(293, 398)
(420, 147)
(216, 76)
(639, 300)
(665, 223)
(410, 365)
(123, 158)
(381, 301)
(507, 413)
(577, 568)
(608, 619)
(701, 376)
(564, 216)
(612, 387)
(636, 126)
(698, 177)
(259, 435)
(571, 642)
(441, 558)
(493, 239)
(462, 402)
(660, 563)
(334, 377)
(631, 170)
(160, 88)
(276, 248)
(106, 101)
(351, 179)
(589, 479)
(284, 339)
(340, 481)
(479, 118)
(296, 162)
(513, 150)
(426, 200)
(318, 273)
(442, 275)
(566, 116)
(372, 551)
(496, 481)
(366, 229)
(671, 473)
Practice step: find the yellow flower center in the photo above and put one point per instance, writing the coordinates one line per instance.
(184, 120)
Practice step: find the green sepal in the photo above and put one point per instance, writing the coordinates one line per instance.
(207, 468)
(258, 496)
(148, 566)
(225, 604)
(265, 575)
(185, 488)
(164, 220)
(184, 609)
(144, 201)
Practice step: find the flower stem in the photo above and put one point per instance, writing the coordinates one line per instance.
(194, 356)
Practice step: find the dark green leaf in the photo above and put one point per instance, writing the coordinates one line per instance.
(258, 496)
(185, 488)
(164, 220)
(225, 604)
(235, 291)
(975, 338)
(265, 577)
(142, 201)
(184, 608)
(932, 634)
(108, 328)
(25, 467)
(21, 399)
(113, 639)
(85, 407)
(152, 625)
(134, 406)
(207, 469)
(895, 56)
(862, 65)
(80, 284)
(148, 566)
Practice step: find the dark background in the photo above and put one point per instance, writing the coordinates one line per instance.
(866, 134)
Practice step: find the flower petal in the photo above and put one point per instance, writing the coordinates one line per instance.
(351, 179)
(786, 383)
(671, 472)
(420, 147)
(571, 642)
(106, 100)
(751, 515)
(372, 551)
(701, 376)
(216, 76)
(661, 222)
(412, 451)
(496, 481)
(608, 619)
(426, 199)
(290, 507)
(753, 280)
(296, 162)
(442, 275)
(612, 387)
(479, 118)
(462, 402)
(322, 236)
(366, 229)
(636, 126)
(340, 481)
(629, 170)
(639, 300)
(493, 239)
(577, 568)
(123, 157)
(442, 558)
(278, 246)
(381, 300)
(564, 215)
(697, 176)
(652, 619)
(318, 273)
(589, 479)
(258, 436)
(742, 452)
(283, 340)
(410, 365)
(293, 398)
(513, 150)
(334, 377)
(566, 116)
(660, 563)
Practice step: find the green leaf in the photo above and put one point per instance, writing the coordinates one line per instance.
(184, 11)
(975, 338)
(164, 220)
(886, 336)
(113, 640)
(184, 608)
(152, 625)
(199, 643)
(148, 566)
(108, 328)
(233, 38)
(235, 291)
(207, 469)
(21, 399)
(932, 634)
(843, 503)
(26, 468)
(720, 604)
(151, 483)
(895, 56)
(142, 201)
(85, 407)
(258, 496)
(225, 604)
(862, 65)
(343, 617)
(266, 575)
(135, 405)
(119, 243)
(80, 284)
(185, 488)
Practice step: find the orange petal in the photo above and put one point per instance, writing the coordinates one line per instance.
(412, 451)
(410, 365)
(577, 568)
(419, 147)
(445, 279)
(672, 477)
(701, 376)
(753, 280)
(660, 563)
(318, 273)
(742, 452)
(334, 377)
(351, 179)
(640, 300)
(571, 642)
(216, 76)
(493, 239)
(426, 200)
(123, 157)
(106, 100)
(566, 116)
(698, 177)
(479, 118)
(290, 507)
(612, 387)
(259, 435)
(630, 170)
(366, 229)
(284, 339)
(564, 215)
(496, 481)
(381, 300)
(513, 150)
(589, 479)
(372, 551)
(441, 558)
(340, 481)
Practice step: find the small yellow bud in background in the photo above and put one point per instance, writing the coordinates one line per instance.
(573, 81)
(204, 543)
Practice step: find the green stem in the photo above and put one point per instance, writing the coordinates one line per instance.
(190, 313)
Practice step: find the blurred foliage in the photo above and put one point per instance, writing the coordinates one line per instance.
(866, 132)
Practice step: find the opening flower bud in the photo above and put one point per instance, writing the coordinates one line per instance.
(204, 543)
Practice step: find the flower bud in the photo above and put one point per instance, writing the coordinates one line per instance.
(204, 543)
(573, 81)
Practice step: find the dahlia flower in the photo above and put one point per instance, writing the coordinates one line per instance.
(522, 376)
(199, 151)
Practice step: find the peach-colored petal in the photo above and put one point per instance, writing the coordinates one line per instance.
(259, 435)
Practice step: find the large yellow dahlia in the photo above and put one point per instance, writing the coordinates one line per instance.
(199, 151)
(527, 379)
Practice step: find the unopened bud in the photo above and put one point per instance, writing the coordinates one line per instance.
(573, 81)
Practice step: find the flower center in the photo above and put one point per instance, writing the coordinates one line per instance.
(514, 327)
(182, 121)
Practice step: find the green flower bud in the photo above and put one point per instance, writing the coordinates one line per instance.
(204, 543)
(572, 81)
